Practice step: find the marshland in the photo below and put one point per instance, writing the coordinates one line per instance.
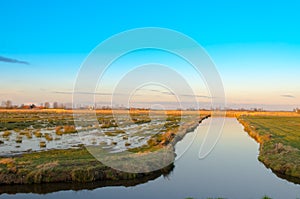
(38, 147)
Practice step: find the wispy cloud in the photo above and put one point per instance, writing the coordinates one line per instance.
(110, 94)
(84, 93)
(288, 96)
(200, 96)
(170, 93)
(10, 60)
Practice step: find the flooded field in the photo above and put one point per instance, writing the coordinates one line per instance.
(22, 132)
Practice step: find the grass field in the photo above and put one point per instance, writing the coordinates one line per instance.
(279, 138)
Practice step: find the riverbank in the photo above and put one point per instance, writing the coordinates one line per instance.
(279, 139)
(78, 165)
(69, 165)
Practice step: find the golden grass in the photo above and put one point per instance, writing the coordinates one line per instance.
(48, 165)
(60, 130)
(7, 161)
(19, 139)
(38, 134)
(69, 129)
(127, 144)
(137, 111)
(262, 113)
(43, 144)
(6, 134)
(27, 133)
(48, 137)
(134, 111)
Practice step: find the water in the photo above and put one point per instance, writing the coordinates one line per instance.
(230, 171)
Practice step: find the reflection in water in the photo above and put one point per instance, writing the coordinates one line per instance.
(54, 187)
(288, 178)
(231, 171)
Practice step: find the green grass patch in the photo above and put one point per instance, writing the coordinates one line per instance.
(279, 139)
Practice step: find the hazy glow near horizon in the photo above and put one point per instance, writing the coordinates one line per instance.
(151, 92)
(255, 46)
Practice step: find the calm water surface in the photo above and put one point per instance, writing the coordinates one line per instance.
(230, 171)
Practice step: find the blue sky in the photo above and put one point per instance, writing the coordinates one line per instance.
(255, 45)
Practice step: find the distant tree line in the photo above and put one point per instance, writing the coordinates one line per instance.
(8, 104)
(297, 110)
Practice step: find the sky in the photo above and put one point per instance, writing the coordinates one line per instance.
(255, 46)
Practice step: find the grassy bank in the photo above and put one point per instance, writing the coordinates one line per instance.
(279, 138)
(71, 165)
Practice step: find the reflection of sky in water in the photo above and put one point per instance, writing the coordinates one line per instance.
(231, 171)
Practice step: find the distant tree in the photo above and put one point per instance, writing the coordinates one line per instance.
(32, 106)
(8, 104)
(47, 105)
(55, 105)
(61, 106)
